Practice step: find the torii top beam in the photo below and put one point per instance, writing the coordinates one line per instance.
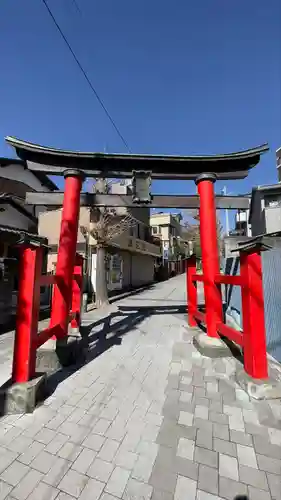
(55, 161)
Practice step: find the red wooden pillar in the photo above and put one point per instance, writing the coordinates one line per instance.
(254, 334)
(28, 307)
(61, 302)
(77, 284)
(191, 290)
(210, 253)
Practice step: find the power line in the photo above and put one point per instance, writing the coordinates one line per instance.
(77, 6)
(86, 77)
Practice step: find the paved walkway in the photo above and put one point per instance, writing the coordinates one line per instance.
(146, 417)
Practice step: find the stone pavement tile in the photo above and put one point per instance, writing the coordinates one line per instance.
(275, 436)
(94, 442)
(264, 447)
(92, 490)
(274, 483)
(26, 486)
(161, 495)
(108, 450)
(107, 496)
(14, 473)
(186, 448)
(136, 490)
(100, 470)
(185, 488)
(253, 477)
(236, 422)
(4, 489)
(150, 432)
(246, 456)
(131, 440)
(255, 494)
(218, 418)
(185, 418)
(101, 426)
(204, 439)
(254, 429)
(44, 491)
(6, 458)
(44, 461)
(208, 479)
(56, 422)
(221, 431)
(228, 467)
(143, 468)
(73, 483)
(27, 456)
(250, 417)
(225, 447)
(206, 457)
(163, 479)
(84, 460)
(215, 406)
(229, 489)
(166, 457)
(203, 495)
(69, 451)
(201, 412)
(56, 473)
(201, 401)
(269, 464)
(117, 482)
(57, 443)
(20, 444)
(10, 433)
(201, 423)
(241, 438)
(125, 459)
(185, 467)
(45, 435)
(148, 449)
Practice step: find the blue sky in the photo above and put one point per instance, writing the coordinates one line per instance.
(178, 77)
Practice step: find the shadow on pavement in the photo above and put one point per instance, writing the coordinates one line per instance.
(103, 334)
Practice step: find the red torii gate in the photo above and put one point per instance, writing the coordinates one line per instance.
(74, 167)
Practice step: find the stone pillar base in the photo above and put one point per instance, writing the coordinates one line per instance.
(56, 354)
(259, 389)
(212, 347)
(22, 398)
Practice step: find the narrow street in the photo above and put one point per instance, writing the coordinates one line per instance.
(146, 417)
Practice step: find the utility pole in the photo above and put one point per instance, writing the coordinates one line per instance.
(224, 192)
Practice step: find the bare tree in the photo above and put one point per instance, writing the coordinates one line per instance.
(105, 225)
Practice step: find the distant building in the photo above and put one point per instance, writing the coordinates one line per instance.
(167, 228)
(242, 224)
(265, 209)
(130, 255)
(17, 221)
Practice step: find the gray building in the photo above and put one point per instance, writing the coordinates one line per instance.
(265, 209)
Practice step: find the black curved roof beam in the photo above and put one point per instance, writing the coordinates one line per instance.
(55, 161)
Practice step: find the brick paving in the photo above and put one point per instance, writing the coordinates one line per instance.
(146, 418)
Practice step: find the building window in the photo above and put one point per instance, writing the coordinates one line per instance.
(272, 201)
(154, 230)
